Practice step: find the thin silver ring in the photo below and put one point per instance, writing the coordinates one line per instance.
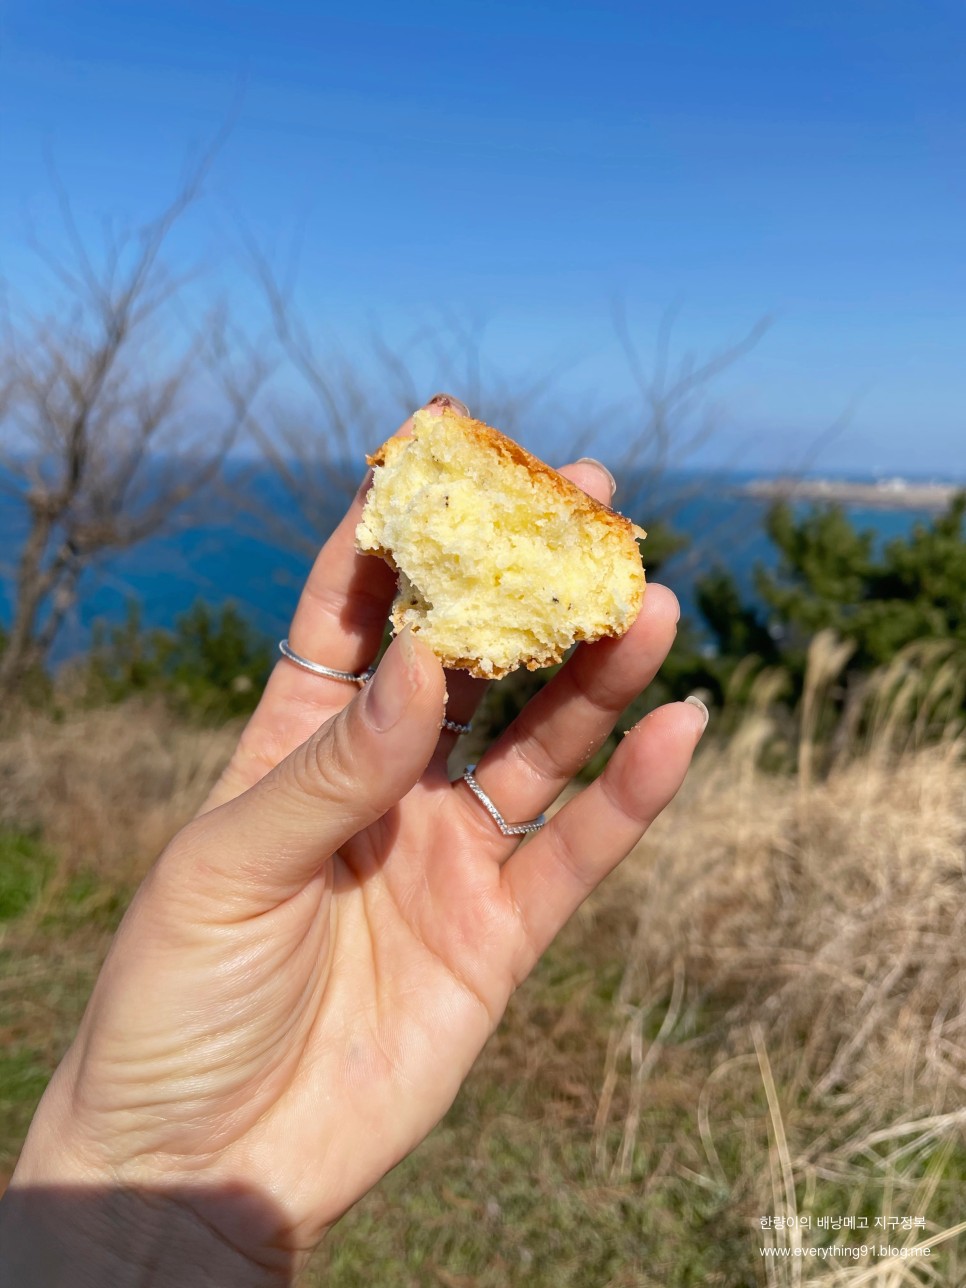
(508, 829)
(351, 677)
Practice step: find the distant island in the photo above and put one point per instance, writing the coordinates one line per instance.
(884, 494)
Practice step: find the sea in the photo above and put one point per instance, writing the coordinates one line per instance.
(245, 542)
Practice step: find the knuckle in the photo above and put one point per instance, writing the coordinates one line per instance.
(574, 865)
(192, 865)
(323, 767)
(366, 604)
(539, 756)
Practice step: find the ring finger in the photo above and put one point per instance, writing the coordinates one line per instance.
(558, 731)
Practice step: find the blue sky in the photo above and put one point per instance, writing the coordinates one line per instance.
(530, 163)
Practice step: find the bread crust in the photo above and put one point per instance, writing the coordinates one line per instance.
(587, 507)
(487, 436)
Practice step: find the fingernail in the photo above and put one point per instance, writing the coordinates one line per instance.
(447, 400)
(705, 713)
(589, 460)
(405, 638)
(390, 690)
(364, 486)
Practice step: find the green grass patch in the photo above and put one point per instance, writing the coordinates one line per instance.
(25, 867)
(24, 1073)
(86, 901)
(54, 930)
(522, 1204)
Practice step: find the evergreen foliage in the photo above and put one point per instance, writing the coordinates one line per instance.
(213, 665)
(884, 603)
(829, 577)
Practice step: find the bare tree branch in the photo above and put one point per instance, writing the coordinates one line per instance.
(674, 418)
(101, 441)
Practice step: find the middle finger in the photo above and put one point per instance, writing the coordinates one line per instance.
(465, 691)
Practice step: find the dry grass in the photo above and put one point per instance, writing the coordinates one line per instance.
(797, 977)
(108, 787)
(762, 1014)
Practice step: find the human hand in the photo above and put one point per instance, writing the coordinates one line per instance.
(308, 972)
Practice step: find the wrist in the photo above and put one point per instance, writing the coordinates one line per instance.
(75, 1236)
(71, 1218)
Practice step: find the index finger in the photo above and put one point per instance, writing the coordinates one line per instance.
(338, 622)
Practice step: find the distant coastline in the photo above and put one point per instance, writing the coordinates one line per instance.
(883, 494)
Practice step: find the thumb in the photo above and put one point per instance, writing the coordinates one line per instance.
(265, 845)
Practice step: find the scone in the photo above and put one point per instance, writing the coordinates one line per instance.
(502, 561)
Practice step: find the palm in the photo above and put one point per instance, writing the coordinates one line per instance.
(402, 990)
(417, 952)
(331, 1004)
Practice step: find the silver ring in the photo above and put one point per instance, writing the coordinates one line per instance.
(352, 677)
(508, 829)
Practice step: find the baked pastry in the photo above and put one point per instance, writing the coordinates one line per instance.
(502, 561)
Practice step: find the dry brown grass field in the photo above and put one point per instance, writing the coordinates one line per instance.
(761, 1016)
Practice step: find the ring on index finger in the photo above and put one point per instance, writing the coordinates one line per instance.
(316, 668)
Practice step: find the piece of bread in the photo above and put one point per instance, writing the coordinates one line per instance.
(502, 561)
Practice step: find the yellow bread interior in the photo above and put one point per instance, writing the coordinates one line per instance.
(502, 562)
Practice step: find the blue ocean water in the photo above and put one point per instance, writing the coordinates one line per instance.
(220, 550)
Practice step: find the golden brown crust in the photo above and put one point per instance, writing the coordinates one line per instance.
(488, 437)
(592, 512)
(472, 664)
(533, 663)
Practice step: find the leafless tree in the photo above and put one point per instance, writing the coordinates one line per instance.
(673, 415)
(341, 405)
(338, 407)
(109, 419)
(316, 452)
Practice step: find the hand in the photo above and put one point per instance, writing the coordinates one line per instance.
(311, 967)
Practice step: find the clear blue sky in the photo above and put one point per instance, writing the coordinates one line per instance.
(531, 161)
